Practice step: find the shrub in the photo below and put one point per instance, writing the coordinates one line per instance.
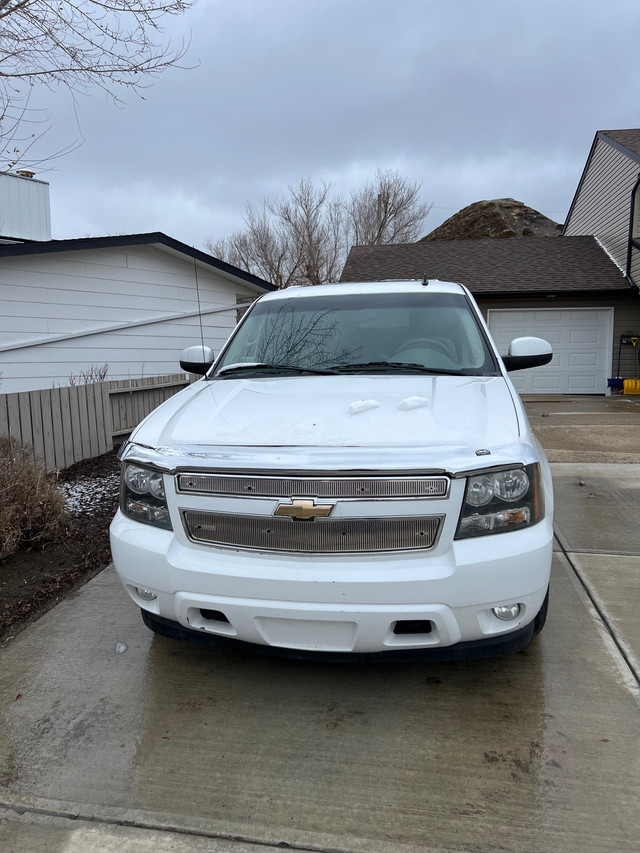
(32, 510)
(93, 373)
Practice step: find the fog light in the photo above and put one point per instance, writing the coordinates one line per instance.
(507, 612)
(146, 594)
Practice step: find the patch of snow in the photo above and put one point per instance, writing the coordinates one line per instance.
(362, 406)
(85, 495)
(413, 403)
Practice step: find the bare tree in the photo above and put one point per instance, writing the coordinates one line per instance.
(304, 238)
(387, 210)
(263, 248)
(295, 240)
(78, 44)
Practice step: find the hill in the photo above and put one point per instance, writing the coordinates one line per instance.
(498, 217)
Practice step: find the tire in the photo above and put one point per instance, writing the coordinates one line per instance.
(541, 616)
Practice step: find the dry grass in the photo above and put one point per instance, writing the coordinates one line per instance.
(32, 510)
(93, 373)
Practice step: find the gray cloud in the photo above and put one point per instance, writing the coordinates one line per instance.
(476, 100)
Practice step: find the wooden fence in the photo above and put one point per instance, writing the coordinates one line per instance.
(132, 399)
(66, 425)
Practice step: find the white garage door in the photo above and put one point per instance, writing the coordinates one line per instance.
(581, 340)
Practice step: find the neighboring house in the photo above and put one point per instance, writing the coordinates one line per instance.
(579, 291)
(606, 203)
(566, 290)
(132, 302)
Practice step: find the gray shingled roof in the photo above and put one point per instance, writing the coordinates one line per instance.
(629, 139)
(525, 266)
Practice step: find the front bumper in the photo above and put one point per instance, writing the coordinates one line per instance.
(488, 647)
(341, 605)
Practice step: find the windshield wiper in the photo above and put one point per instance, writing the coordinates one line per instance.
(395, 367)
(259, 366)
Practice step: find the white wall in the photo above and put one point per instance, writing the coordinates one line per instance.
(134, 308)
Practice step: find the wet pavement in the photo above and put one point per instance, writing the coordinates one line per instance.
(111, 738)
(597, 527)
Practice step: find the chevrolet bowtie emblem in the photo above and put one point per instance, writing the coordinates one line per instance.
(304, 510)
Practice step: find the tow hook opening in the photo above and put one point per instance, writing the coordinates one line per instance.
(214, 615)
(413, 626)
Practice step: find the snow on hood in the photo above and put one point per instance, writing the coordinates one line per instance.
(460, 414)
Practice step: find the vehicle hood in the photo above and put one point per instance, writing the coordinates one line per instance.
(365, 418)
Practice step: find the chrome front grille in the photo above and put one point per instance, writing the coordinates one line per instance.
(320, 536)
(314, 487)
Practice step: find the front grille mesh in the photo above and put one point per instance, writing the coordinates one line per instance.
(315, 487)
(327, 536)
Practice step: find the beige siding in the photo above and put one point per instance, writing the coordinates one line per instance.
(626, 321)
(635, 265)
(602, 207)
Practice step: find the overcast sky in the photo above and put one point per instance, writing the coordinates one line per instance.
(476, 99)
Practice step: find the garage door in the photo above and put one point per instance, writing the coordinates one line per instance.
(582, 341)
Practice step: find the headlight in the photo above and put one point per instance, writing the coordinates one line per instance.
(142, 496)
(500, 501)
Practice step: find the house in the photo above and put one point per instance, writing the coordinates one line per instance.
(131, 302)
(606, 201)
(127, 305)
(578, 291)
(567, 290)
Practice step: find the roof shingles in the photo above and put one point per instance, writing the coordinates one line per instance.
(526, 266)
(629, 139)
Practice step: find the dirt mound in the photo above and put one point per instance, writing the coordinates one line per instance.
(498, 217)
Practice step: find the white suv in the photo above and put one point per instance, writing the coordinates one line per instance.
(353, 476)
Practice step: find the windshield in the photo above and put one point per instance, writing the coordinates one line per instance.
(370, 332)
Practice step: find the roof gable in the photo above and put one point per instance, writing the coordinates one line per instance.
(627, 142)
(490, 267)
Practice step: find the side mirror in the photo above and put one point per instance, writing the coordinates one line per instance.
(527, 352)
(197, 359)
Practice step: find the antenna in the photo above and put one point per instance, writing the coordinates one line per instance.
(195, 271)
(425, 281)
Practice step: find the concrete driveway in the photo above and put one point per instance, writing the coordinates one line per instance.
(111, 738)
(593, 444)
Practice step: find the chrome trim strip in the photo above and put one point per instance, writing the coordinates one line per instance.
(363, 488)
(489, 469)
